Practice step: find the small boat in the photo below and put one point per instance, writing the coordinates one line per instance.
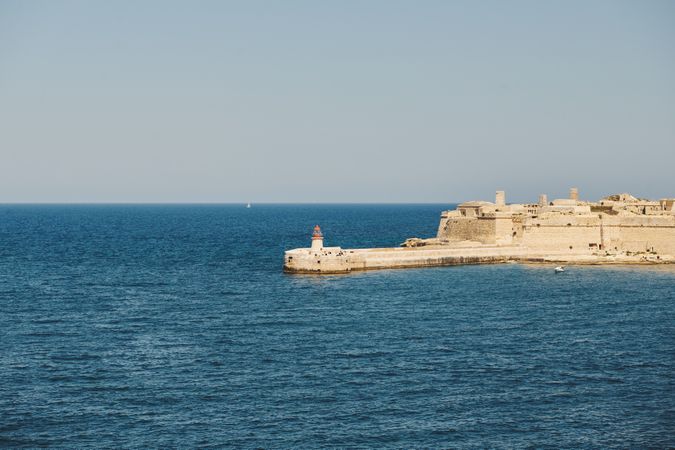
(248, 205)
(559, 269)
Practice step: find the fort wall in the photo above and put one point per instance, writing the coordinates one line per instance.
(573, 238)
(476, 229)
(660, 240)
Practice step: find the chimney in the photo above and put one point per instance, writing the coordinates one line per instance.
(574, 194)
(543, 200)
(500, 198)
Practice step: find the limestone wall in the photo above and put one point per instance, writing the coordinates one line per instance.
(401, 257)
(342, 261)
(326, 260)
(577, 234)
(468, 229)
(552, 231)
(506, 229)
(639, 239)
(586, 233)
(574, 238)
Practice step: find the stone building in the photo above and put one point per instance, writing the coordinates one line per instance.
(615, 224)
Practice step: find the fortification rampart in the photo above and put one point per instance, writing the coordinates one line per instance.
(618, 229)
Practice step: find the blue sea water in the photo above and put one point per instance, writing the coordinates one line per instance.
(174, 326)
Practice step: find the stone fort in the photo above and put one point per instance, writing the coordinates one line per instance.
(618, 229)
(615, 224)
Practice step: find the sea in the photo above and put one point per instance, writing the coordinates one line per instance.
(173, 326)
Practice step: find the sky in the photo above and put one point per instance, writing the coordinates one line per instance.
(335, 101)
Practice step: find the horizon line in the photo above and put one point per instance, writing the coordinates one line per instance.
(4, 203)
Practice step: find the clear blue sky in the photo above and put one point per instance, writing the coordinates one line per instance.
(401, 101)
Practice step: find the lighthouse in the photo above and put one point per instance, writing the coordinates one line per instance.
(317, 239)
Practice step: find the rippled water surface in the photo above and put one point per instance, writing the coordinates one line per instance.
(173, 326)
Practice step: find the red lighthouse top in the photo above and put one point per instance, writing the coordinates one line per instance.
(317, 233)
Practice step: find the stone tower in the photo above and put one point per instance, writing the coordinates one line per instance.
(543, 200)
(317, 239)
(574, 194)
(500, 198)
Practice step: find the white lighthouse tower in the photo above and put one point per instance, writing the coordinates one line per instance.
(317, 239)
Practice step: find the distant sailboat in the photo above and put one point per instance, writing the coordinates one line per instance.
(248, 205)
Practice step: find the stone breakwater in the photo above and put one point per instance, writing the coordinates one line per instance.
(337, 260)
(334, 260)
(619, 229)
